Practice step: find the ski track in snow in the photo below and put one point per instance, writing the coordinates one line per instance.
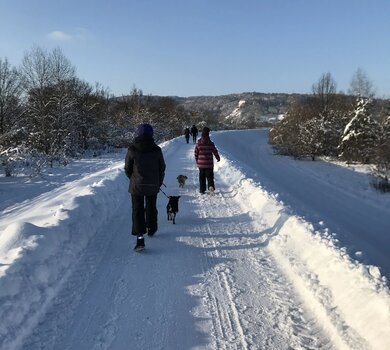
(247, 293)
(223, 277)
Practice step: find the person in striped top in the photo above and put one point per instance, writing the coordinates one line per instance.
(204, 151)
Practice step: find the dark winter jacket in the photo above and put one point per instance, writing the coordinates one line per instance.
(144, 166)
(204, 151)
(187, 132)
(194, 131)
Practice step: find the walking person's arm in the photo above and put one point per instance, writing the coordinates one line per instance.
(129, 163)
(216, 154)
(162, 167)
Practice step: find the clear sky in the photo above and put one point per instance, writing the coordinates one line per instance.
(206, 47)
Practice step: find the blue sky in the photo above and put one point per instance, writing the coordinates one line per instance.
(206, 47)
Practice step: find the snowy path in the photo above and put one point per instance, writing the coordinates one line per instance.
(206, 282)
(237, 271)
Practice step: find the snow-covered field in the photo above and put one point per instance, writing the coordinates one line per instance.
(286, 255)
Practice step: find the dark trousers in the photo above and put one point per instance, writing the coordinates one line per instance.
(206, 174)
(144, 214)
(194, 138)
(187, 138)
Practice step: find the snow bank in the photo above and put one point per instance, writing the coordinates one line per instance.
(349, 298)
(40, 246)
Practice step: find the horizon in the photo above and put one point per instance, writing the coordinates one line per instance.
(196, 48)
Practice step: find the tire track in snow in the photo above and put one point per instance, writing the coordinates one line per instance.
(281, 317)
(228, 312)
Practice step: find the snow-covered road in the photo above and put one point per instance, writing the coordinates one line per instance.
(253, 267)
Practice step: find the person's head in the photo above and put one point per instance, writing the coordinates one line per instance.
(145, 129)
(206, 131)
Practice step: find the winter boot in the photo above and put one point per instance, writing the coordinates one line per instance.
(140, 243)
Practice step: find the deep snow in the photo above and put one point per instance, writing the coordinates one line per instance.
(287, 254)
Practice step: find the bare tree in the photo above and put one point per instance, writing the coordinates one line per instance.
(36, 70)
(47, 81)
(361, 85)
(61, 67)
(136, 105)
(10, 91)
(325, 91)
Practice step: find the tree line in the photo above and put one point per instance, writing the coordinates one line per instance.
(353, 127)
(48, 115)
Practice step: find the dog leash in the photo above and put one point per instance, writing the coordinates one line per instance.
(164, 192)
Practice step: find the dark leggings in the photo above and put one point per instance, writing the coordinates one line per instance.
(206, 174)
(144, 214)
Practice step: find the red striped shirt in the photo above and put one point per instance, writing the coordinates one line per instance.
(204, 151)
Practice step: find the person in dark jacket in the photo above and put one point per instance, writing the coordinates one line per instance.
(194, 133)
(187, 134)
(145, 167)
(204, 151)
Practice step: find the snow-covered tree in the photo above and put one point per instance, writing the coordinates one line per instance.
(13, 150)
(361, 135)
(285, 135)
(334, 122)
(63, 117)
(63, 113)
(311, 137)
(47, 78)
(383, 156)
(10, 111)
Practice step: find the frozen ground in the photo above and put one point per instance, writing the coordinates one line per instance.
(286, 255)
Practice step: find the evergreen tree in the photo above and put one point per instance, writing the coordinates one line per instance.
(334, 123)
(361, 135)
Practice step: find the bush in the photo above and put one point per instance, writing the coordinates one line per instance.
(382, 184)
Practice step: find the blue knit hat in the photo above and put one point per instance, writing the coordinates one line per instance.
(145, 130)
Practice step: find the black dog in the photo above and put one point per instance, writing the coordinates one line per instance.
(172, 207)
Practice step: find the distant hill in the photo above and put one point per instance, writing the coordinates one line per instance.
(236, 110)
(247, 107)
